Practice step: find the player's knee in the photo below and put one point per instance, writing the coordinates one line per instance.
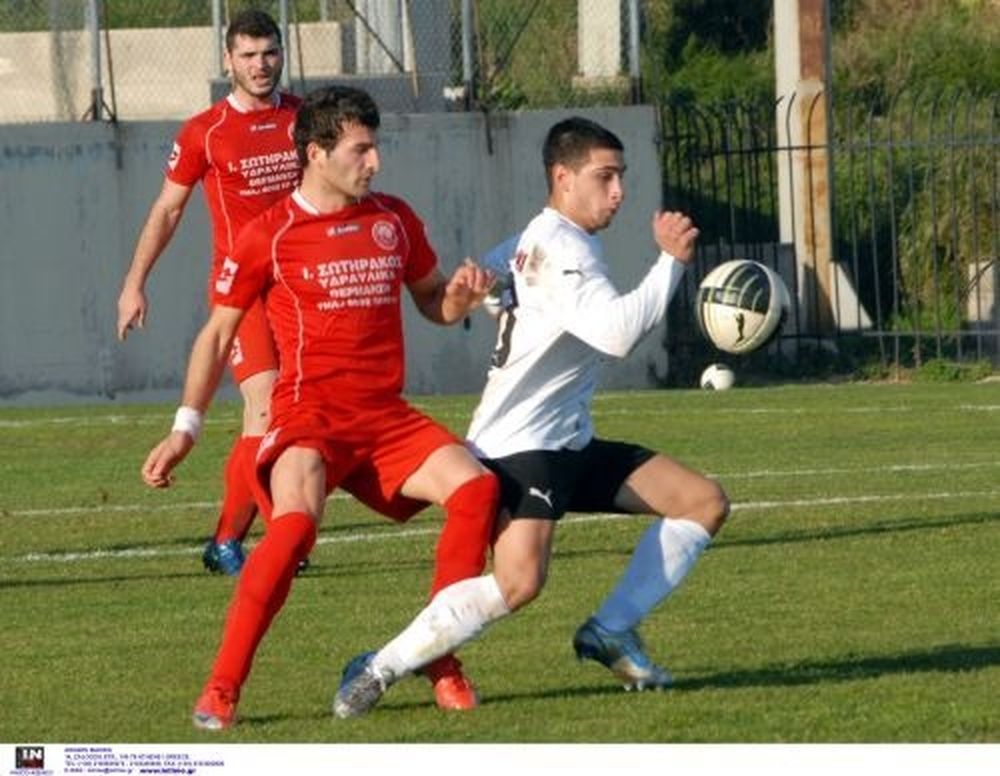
(714, 508)
(521, 589)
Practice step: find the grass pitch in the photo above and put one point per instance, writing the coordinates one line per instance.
(852, 597)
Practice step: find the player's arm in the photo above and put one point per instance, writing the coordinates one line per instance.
(447, 300)
(595, 312)
(164, 215)
(205, 368)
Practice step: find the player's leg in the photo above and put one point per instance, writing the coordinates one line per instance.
(521, 558)
(451, 477)
(694, 508)
(461, 611)
(469, 493)
(428, 464)
(298, 490)
(253, 362)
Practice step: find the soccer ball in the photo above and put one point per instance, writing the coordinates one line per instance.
(741, 305)
(717, 377)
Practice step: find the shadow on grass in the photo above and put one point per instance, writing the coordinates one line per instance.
(947, 658)
(870, 529)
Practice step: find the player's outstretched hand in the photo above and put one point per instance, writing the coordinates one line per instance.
(131, 310)
(675, 233)
(164, 457)
(467, 288)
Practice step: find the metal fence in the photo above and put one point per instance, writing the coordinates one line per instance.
(67, 60)
(913, 187)
(915, 209)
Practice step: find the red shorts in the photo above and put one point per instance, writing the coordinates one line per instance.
(253, 349)
(386, 447)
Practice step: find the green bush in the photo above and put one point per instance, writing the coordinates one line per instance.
(939, 370)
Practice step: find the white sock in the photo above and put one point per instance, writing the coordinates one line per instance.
(457, 614)
(662, 558)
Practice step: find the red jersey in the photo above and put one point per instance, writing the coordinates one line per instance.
(332, 286)
(246, 159)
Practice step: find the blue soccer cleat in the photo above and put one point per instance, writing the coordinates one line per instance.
(223, 557)
(361, 687)
(622, 653)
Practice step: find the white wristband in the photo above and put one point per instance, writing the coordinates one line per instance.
(188, 420)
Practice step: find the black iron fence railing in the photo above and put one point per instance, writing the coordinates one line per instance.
(913, 215)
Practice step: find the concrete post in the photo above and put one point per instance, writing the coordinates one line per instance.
(802, 57)
(599, 38)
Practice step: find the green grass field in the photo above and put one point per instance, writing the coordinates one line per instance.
(854, 595)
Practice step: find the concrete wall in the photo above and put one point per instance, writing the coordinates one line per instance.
(158, 73)
(73, 198)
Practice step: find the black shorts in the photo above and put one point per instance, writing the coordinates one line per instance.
(548, 483)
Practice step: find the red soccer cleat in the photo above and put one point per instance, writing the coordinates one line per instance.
(215, 709)
(453, 691)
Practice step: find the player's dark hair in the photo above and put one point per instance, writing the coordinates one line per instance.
(325, 111)
(570, 141)
(253, 24)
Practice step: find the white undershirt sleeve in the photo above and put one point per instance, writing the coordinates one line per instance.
(594, 311)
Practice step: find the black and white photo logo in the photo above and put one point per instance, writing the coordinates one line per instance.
(29, 757)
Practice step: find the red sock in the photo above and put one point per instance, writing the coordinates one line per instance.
(260, 593)
(467, 531)
(238, 505)
(461, 550)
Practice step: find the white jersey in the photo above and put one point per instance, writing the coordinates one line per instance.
(559, 315)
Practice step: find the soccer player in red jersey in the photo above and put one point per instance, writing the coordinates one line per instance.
(242, 151)
(330, 262)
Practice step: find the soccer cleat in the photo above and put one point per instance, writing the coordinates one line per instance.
(215, 709)
(453, 691)
(361, 687)
(622, 653)
(223, 557)
(302, 567)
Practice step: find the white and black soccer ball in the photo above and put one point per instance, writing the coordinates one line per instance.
(717, 377)
(741, 305)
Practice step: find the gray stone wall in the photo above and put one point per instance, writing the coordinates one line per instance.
(74, 196)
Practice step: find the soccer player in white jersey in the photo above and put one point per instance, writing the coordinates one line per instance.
(560, 317)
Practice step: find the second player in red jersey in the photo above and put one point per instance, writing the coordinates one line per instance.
(242, 151)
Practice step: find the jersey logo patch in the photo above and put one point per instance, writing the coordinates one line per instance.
(342, 229)
(384, 234)
(542, 495)
(236, 352)
(175, 156)
(224, 282)
(267, 441)
(532, 266)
